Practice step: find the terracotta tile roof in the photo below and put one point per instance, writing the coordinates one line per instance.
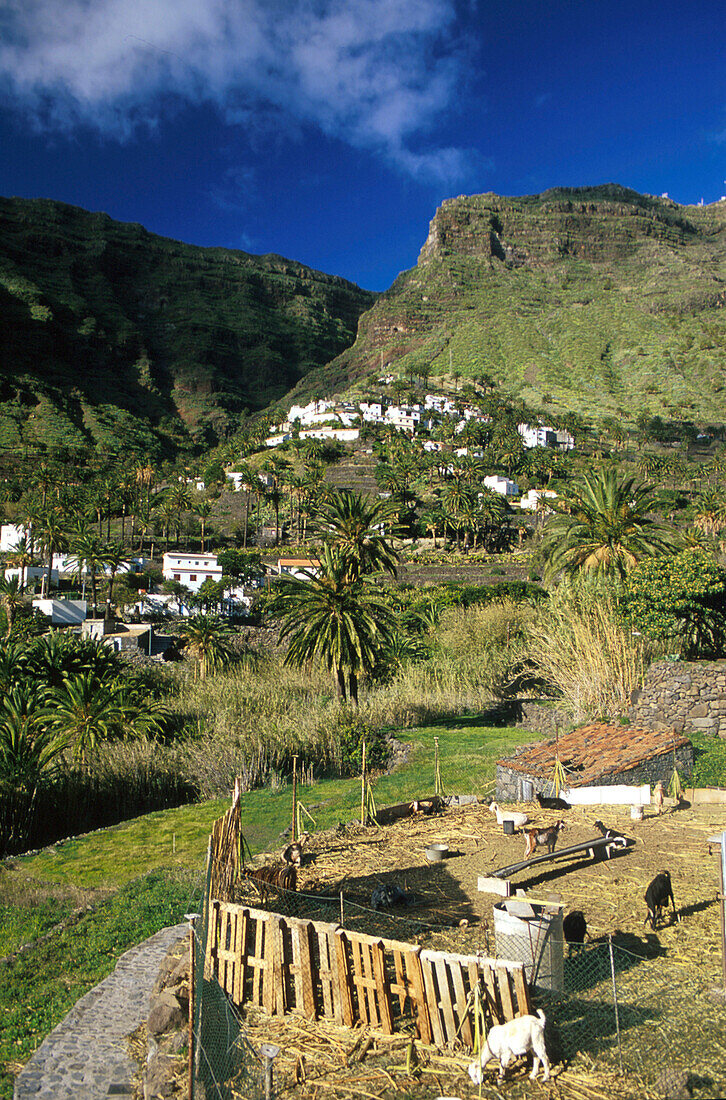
(594, 751)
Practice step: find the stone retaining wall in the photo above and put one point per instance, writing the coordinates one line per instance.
(689, 696)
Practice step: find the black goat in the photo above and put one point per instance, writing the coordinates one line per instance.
(657, 896)
(574, 927)
(547, 802)
(388, 895)
(618, 840)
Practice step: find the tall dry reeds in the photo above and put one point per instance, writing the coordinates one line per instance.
(583, 648)
(251, 723)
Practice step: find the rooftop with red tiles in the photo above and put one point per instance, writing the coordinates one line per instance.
(593, 751)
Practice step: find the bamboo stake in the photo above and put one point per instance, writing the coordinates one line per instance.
(363, 787)
(294, 798)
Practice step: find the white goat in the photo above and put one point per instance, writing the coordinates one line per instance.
(509, 1041)
(519, 819)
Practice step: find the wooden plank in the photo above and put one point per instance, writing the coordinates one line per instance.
(488, 885)
(400, 987)
(505, 992)
(486, 969)
(383, 989)
(417, 992)
(432, 1001)
(369, 984)
(258, 961)
(463, 1015)
(327, 972)
(344, 997)
(305, 947)
(240, 950)
(356, 949)
(521, 988)
(447, 1008)
(275, 932)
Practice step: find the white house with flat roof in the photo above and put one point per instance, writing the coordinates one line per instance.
(502, 485)
(191, 570)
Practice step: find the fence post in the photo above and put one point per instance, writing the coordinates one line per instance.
(294, 798)
(363, 786)
(615, 1001)
(269, 1052)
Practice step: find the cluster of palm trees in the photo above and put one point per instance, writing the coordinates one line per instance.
(60, 698)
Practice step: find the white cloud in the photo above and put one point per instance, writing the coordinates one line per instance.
(374, 73)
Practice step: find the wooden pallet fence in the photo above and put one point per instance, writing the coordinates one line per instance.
(284, 964)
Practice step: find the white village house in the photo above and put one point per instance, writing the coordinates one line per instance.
(191, 570)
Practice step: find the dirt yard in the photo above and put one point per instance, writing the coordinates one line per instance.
(673, 1022)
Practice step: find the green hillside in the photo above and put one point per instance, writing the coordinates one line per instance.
(598, 299)
(114, 336)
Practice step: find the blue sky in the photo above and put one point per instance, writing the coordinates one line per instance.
(330, 130)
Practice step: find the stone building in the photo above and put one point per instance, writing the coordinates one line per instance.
(597, 755)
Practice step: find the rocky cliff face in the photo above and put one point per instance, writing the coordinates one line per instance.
(591, 226)
(598, 300)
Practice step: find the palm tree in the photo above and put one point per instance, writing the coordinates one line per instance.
(604, 525)
(11, 599)
(29, 746)
(89, 554)
(355, 524)
(210, 641)
(86, 711)
(335, 619)
(203, 509)
(53, 539)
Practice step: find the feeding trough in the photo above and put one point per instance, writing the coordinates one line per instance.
(508, 826)
(436, 852)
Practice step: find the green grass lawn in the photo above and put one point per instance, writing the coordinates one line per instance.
(178, 838)
(148, 872)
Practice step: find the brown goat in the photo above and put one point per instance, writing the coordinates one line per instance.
(542, 837)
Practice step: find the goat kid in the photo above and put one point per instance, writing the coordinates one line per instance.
(272, 876)
(542, 837)
(506, 1042)
(657, 896)
(618, 840)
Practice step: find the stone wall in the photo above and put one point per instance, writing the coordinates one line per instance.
(689, 696)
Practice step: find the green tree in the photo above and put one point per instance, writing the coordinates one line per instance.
(11, 600)
(210, 642)
(605, 524)
(336, 620)
(356, 525)
(86, 711)
(682, 598)
(89, 554)
(29, 748)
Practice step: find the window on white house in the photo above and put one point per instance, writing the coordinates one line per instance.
(177, 576)
(192, 576)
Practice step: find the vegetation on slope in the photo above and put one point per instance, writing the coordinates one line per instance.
(593, 300)
(134, 342)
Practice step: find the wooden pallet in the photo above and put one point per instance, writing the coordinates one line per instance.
(322, 971)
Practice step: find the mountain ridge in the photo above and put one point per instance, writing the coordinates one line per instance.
(116, 336)
(596, 299)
